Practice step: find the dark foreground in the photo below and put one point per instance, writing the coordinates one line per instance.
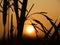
(26, 41)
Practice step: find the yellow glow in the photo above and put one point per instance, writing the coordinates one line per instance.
(30, 29)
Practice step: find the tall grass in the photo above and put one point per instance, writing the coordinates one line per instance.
(56, 28)
(23, 17)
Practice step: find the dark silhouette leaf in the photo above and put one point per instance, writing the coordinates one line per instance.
(43, 12)
(20, 2)
(55, 28)
(47, 34)
(35, 29)
(39, 28)
(34, 26)
(50, 20)
(38, 13)
(44, 28)
(51, 28)
(29, 10)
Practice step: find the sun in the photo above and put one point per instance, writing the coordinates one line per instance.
(30, 29)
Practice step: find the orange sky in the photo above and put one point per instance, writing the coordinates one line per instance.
(52, 7)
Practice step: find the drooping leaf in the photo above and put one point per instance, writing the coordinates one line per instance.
(44, 28)
(50, 29)
(50, 20)
(55, 28)
(35, 29)
(34, 26)
(43, 13)
(38, 13)
(48, 17)
(39, 28)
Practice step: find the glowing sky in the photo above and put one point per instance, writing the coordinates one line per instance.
(52, 7)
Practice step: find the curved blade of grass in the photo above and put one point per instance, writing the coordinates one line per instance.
(43, 27)
(50, 20)
(40, 29)
(38, 13)
(35, 29)
(55, 28)
(47, 34)
(40, 24)
(51, 28)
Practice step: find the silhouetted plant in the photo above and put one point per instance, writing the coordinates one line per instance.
(23, 17)
(11, 30)
(52, 23)
(4, 15)
(21, 20)
(55, 28)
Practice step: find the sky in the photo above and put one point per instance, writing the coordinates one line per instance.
(52, 7)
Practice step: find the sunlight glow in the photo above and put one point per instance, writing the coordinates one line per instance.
(30, 29)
